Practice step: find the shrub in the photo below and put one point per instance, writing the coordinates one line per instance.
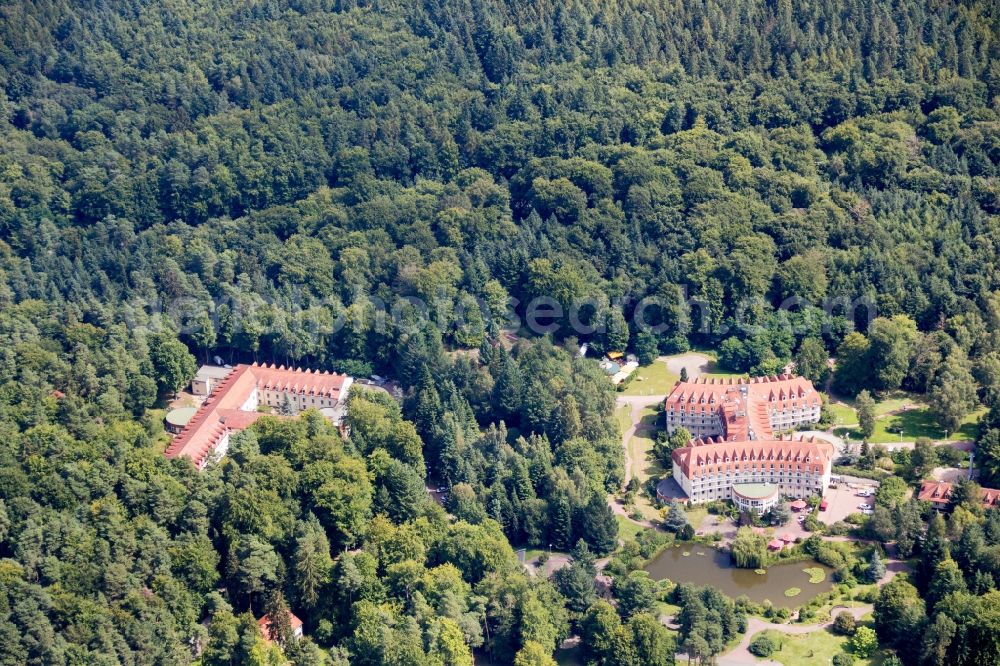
(864, 642)
(845, 624)
(762, 646)
(843, 659)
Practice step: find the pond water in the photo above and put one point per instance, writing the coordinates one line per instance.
(703, 565)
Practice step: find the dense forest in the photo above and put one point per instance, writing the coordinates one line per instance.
(382, 187)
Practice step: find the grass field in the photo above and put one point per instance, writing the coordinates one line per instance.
(626, 528)
(914, 423)
(657, 379)
(696, 514)
(842, 413)
(899, 410)
(652, 379)
(816, 647)
(623, 415)
(640, 450)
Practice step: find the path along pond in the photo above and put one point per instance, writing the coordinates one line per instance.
(703, 565)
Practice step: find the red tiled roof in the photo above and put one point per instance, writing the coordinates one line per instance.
(938, 493)
(745, 406)
(265, 625)
(707, 456)
(223, 411)
(745, 403)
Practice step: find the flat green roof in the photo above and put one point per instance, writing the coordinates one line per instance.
(179, 417)
(755, 490)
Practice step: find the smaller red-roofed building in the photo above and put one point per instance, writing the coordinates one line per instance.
(775, 544)
(265, 627)
(938, 493)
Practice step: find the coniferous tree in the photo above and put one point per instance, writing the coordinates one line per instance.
(598, 526)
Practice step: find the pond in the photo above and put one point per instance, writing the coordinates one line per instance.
(702, 565)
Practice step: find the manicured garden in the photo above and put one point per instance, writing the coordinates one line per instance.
(911, 424)
(816, 647)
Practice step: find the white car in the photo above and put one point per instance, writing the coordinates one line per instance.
(865, 507)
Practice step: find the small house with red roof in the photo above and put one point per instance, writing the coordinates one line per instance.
(938, 493)
(294, 622)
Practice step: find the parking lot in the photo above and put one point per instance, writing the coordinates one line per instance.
(843, 501)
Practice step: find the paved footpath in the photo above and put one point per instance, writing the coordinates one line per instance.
(635, 403)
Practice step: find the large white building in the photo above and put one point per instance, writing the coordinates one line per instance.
(707, 470)
(736, 409)
(734, 424)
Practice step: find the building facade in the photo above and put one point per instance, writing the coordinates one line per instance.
(235, 401)
(736, 426)
(707, 470)
(756, 497)
(742, 408)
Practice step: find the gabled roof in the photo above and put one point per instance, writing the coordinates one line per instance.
(744, 404)
(223, 410)
(939, 493)
(264, 623)
(805, 454)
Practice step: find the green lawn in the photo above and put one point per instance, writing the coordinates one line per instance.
(623, 415)
(644, 463)
(626, 528)
(891, 402)
(696, 514)
(533, 553)
(652, 379)
(656, 378)
(816, 647)
(668, 610)
(914, 423)
(842, 413)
